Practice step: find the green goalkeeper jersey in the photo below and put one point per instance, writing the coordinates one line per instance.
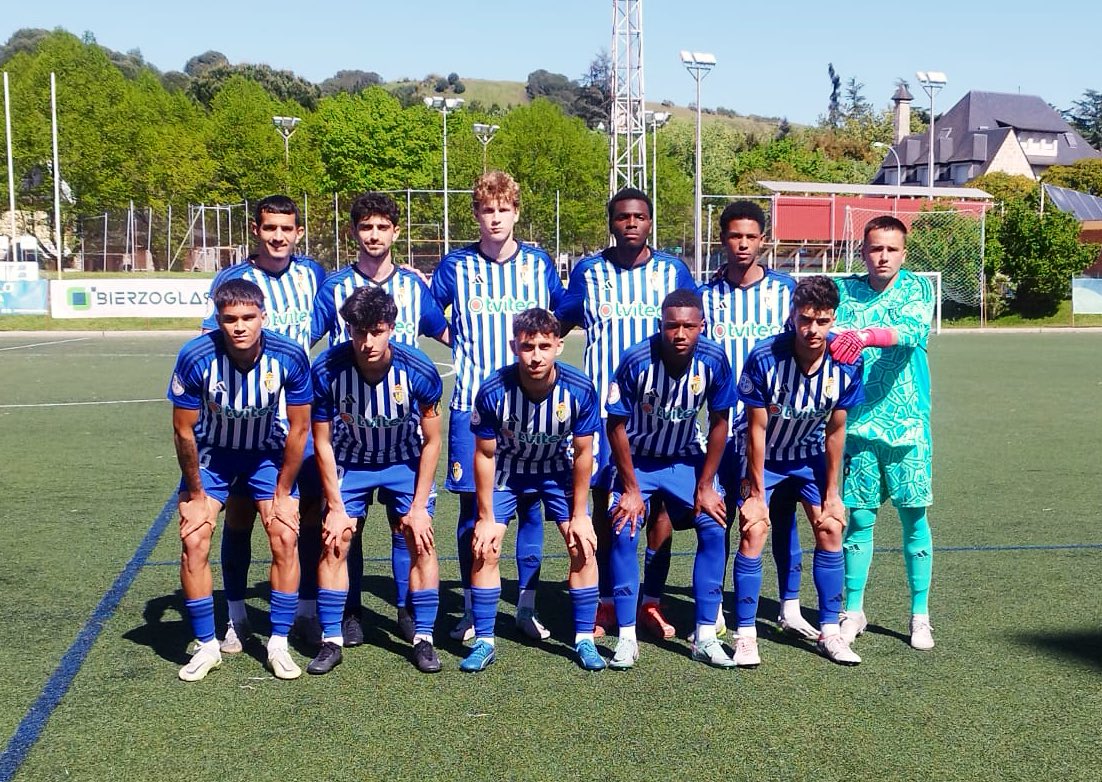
(896, 410)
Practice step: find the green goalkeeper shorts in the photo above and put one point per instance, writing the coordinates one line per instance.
(874, 472)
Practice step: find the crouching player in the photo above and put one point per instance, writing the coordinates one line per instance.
(653, 402)
(527, 418)
(231, 391)
(796, 396)
(370, 395)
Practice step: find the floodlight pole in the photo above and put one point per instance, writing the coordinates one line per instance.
(931, 82)
(11, 169)
(698, 65)
(656, 119)
(444, 105)
(286, 127)
(56, 171)
(485, 134)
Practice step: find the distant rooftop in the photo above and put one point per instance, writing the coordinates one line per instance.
(884, 191)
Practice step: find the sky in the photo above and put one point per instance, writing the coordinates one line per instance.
(772, 57)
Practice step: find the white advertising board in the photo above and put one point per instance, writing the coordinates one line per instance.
(130, 298)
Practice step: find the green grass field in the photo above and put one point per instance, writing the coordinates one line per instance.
(1012, 690)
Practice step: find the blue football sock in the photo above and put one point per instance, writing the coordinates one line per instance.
(464, 534)
(829, 571)
(283, 611)
(200, 611)
(583, 601)
(624, 567)
(747, 589)
(656, 570)
(354, 603)
(708, 570)
(425, 604)
(399, 565)
(331, 611)
(237, 553)
(787, 553)
(529, 545)
(309, 554)
(484, 610)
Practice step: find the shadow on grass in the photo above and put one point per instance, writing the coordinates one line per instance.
(1082, 645)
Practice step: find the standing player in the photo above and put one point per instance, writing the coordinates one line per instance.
(241, 409)
(745, 305)
(653, 403)
(289, 283)
(888, 450)
(376, 427)
(485, 284)
(796, 397)
(616, 297)
(528, 418)
(374, 227)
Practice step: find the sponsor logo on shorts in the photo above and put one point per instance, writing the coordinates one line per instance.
(457, 471)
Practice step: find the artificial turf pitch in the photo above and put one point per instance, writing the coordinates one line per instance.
(1012, 691)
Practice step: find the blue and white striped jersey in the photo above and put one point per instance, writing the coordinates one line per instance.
(534, 436)
(240, 410)
(418, 312)
(288, 296)
(738, 318)
(618, 307)
(798, 404)
(375, 423)
(484, 295)
(661, 409)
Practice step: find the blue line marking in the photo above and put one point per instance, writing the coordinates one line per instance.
(34, 721)
(878, 550)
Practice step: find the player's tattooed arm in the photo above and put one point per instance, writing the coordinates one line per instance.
(196, 508)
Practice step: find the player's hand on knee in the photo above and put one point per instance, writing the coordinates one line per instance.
(337, 529)
(486, 542)
(417, 527)
(283, 509)
(710, 502)
(833, 515)
(630, 510)
(196, 514)
(753, 514)
(581, 538)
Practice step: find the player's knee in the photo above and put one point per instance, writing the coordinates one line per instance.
(828, 536)
(752, 540)
(196, 549)
(284, 541)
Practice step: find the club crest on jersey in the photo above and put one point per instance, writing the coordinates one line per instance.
(270, 382)
(457, 471)
(655, 277)
(401, 296)
(398, 394)
(613, 393)
(745, 384)
(696, 385)
(828, 389)
(177, 385)
(524, 272)
(561, 411)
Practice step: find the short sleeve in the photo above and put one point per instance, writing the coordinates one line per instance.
(427, 387)
(721, 393)
(297, 386)
(752, 388)
(443, 284)
(324, 408)
(587, 416)
(555, 290)
(485, 420)
(570, 310)
(185, 388)
(622, 392)
(323, 317)
(684, 277)
(854, 393)
(433, 321)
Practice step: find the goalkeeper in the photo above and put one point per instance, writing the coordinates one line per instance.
(888, 452)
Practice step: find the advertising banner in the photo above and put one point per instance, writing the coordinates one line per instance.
(171, 298)
(1086, 295)
(24, 297)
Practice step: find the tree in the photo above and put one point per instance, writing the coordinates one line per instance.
(834, 108)
(1041, 253)
(24, 40)
(1085, 116)
(453, 78)
(593, 100)
(856, 107)
(1007, 187)
(281, 85)
(201, 63)
(1084, 175)
(246, 148)
(350, 82)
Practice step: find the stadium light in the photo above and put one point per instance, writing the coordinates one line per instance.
(485, 134)
(444, 105)
(286, 127)
(898, 167)
(656, 120)
(931, 82)
(699, 64)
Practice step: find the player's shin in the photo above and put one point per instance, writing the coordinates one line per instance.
(857, 547)
(529, 553)
(918, 556)
(708, 575)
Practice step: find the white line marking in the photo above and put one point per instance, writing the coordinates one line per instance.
(451, 368)
(76, 404)
(40, 344)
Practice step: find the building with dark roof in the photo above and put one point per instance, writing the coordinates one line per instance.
(983, 133)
